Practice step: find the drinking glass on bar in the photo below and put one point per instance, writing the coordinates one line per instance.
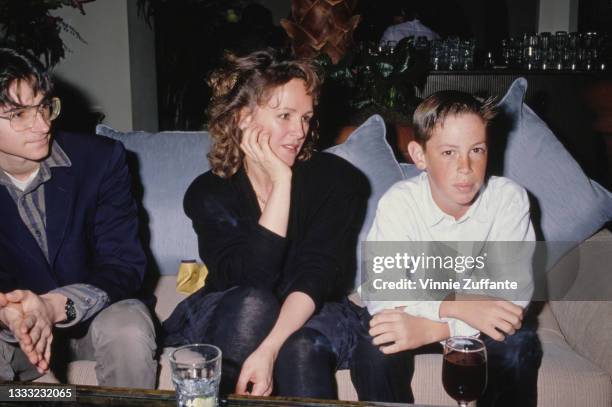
(436, 55)
(467, 53)
(464, 369)
(531, 52)
(453, 57)
(546, 50)
(571, 51)
(560, 44)
(196, 374)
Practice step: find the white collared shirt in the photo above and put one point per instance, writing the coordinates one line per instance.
(407, 212)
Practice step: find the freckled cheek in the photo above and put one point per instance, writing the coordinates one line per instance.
(440, 176)
(480, 164)
(445, 168)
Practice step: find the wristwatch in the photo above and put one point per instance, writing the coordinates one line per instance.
(70, 311)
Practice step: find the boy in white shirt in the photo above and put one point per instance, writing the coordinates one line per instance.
(452, 201)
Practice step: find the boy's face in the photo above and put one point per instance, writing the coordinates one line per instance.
(18, 147)
(455, 158)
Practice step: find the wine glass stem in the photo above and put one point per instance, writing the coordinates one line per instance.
(463, 404)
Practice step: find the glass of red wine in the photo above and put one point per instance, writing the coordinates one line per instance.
(464, 370)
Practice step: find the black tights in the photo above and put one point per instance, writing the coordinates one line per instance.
(242, 319)
(306, 363)
(305, 366)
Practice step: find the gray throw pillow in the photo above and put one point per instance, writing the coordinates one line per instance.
(162, 166)
(409, 170)
(567, 206)
(367, 149)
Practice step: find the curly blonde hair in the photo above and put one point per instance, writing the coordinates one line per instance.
(246, 82)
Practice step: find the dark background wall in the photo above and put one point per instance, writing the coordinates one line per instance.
(488, 21)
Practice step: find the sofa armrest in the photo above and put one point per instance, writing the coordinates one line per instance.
(586, 323)
(587, 326)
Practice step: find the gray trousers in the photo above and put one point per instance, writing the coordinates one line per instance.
(120, 339)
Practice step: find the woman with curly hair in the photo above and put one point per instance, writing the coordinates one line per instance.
(277, 227)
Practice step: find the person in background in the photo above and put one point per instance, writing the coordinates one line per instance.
(70, 258)
(406, 16)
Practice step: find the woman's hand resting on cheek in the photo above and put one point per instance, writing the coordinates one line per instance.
(256, 146)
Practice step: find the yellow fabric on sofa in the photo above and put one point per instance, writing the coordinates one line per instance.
(191, 277)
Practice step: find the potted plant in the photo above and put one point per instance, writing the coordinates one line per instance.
(382, 81)
(29, 25)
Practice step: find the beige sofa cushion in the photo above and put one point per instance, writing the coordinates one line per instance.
(78, 372)
(587, 324)
(167, 297)
(566, 378)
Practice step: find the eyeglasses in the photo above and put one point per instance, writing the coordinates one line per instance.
(23, 118)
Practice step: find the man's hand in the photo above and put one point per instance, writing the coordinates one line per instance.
(45, 311)
(399, 331)
(13, 318)
(492, 316)
(257, 369)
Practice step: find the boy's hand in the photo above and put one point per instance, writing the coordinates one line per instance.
(490, 315)
(401, 331)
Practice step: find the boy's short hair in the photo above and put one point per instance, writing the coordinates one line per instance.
(20, 66)
(435, 108)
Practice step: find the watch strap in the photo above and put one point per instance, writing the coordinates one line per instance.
(70, 311)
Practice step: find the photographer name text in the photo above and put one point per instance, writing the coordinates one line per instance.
(450, 284)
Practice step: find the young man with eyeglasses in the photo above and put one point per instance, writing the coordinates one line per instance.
(70, 259)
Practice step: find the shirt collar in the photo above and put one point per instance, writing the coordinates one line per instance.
(57, 158)
(434, 215)
(479, 209)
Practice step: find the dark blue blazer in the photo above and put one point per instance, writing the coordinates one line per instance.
(92, 225)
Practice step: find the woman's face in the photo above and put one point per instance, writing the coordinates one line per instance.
(286, 117)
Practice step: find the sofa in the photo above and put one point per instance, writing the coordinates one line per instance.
(574, 331)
